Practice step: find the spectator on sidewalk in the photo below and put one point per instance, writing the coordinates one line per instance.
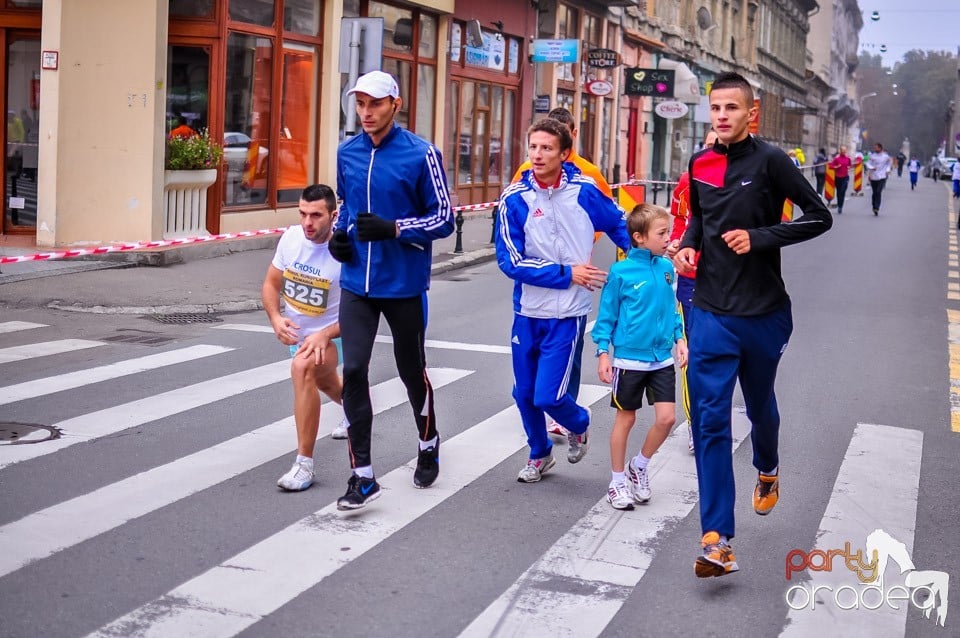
(305, 277)
(395, 204)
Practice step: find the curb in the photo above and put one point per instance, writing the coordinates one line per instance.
(248, 305)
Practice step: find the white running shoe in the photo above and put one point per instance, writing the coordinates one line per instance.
(578, 444)
(640, 481)
(618, 495)
(534, 470)
(556, 429)
(299, 478)
(340, 432)
(690, 437)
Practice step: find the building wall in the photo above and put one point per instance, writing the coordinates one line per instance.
(102, 125)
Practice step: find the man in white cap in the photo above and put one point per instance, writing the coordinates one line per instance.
(395, 203)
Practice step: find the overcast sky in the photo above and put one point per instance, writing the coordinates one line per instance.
(909, 24)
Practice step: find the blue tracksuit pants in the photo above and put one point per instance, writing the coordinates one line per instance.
(544, 351)
(723, 349)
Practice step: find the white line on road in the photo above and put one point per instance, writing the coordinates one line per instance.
(246, 588)
(66, 524)
(580, 583)
(71, 380)
(876, 488)
(15, 326)
(135, 413)
(429, 343)
(45, 349)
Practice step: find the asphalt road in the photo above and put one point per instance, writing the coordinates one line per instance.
(157, 512)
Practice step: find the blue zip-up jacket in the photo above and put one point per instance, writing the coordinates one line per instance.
(542, 232)
(402, 180)
(638, 309)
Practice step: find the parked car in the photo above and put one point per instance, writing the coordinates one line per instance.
(942, 167)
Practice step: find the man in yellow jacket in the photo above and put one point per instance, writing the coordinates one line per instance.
(589, 169)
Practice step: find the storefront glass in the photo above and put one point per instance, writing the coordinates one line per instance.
(301, 16)
(23, 135)
(297, 121)
(247, 118)
(191, 8)
(252, 11)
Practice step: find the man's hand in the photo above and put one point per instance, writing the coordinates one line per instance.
(314, 346)
(604, 368)
(286, 331)
(588, 276)
(341, 248)
(685, 261)
(372, 227)
(672, 248)
(737, 240)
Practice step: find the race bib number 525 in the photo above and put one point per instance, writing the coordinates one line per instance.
(307, 295)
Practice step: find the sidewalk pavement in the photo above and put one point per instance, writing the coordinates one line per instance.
(215, 277)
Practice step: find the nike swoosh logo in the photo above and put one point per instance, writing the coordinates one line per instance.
(366, 490)
(637, 286)
(746, 182)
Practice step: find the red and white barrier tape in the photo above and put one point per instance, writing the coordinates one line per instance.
(101, 250)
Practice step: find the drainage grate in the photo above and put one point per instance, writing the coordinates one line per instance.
(186, 317)
(24, 433)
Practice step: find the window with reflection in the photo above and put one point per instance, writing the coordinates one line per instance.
(301, 16)
(246, 124)
(191, 8)
(252, 11)
(296, 144)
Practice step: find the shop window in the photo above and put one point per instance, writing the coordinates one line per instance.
(426, 85)
(247, 118)
(400, 69)
(191, 8)
(466, 133)
(450, 149)
(188, 87)
(297, 122)
(301, 16)
(428, 36)
(485, 136)
(509, 164)
(397, 26)
(25, 4)
(252, 11)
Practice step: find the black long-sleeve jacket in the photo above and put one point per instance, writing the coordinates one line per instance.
(744, 186)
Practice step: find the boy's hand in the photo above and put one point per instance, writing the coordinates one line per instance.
(672, 248)
(683, 354)
(683, 261)
(604, 369)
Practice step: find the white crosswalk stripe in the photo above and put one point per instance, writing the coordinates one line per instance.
(134, 413)
(577, 587)
(60, 526)
(246, 588)
(71, 380)
(876, 489)
(16, 326)
(45, 349)
(429, 343)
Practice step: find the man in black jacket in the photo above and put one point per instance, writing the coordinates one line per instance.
(741, 307)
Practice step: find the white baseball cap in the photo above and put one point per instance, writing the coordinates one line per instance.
(376, 84)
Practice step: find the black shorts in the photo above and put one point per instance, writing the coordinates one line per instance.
(629, 387)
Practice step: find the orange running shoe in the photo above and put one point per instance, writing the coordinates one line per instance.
(766, 494)
(717, 558)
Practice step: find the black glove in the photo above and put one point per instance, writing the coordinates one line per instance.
(341, 248)
(372, 227)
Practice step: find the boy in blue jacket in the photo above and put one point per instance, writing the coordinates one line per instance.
(639, 317)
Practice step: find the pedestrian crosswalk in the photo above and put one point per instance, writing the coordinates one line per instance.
(575, 586)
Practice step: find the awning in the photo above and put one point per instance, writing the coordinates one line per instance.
(686, 85)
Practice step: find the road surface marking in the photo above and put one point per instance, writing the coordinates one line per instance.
(45, 349)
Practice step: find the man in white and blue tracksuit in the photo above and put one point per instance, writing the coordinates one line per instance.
(544, 240)
(395, 203)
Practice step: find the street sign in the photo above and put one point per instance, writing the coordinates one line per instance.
(563, 51)
(649, 82)
(541, 104)
(599, 87)
(671, 109)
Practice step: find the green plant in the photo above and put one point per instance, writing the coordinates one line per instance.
(194, 153)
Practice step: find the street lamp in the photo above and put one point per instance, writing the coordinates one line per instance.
(860, 118)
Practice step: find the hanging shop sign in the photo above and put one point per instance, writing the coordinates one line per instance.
(599, 87)
(603, 58)
(671, 109)
(649, 82)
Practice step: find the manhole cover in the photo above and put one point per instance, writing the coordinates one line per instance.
(186, 317)
(24, 433)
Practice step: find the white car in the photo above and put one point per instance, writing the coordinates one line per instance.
(235, 148)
